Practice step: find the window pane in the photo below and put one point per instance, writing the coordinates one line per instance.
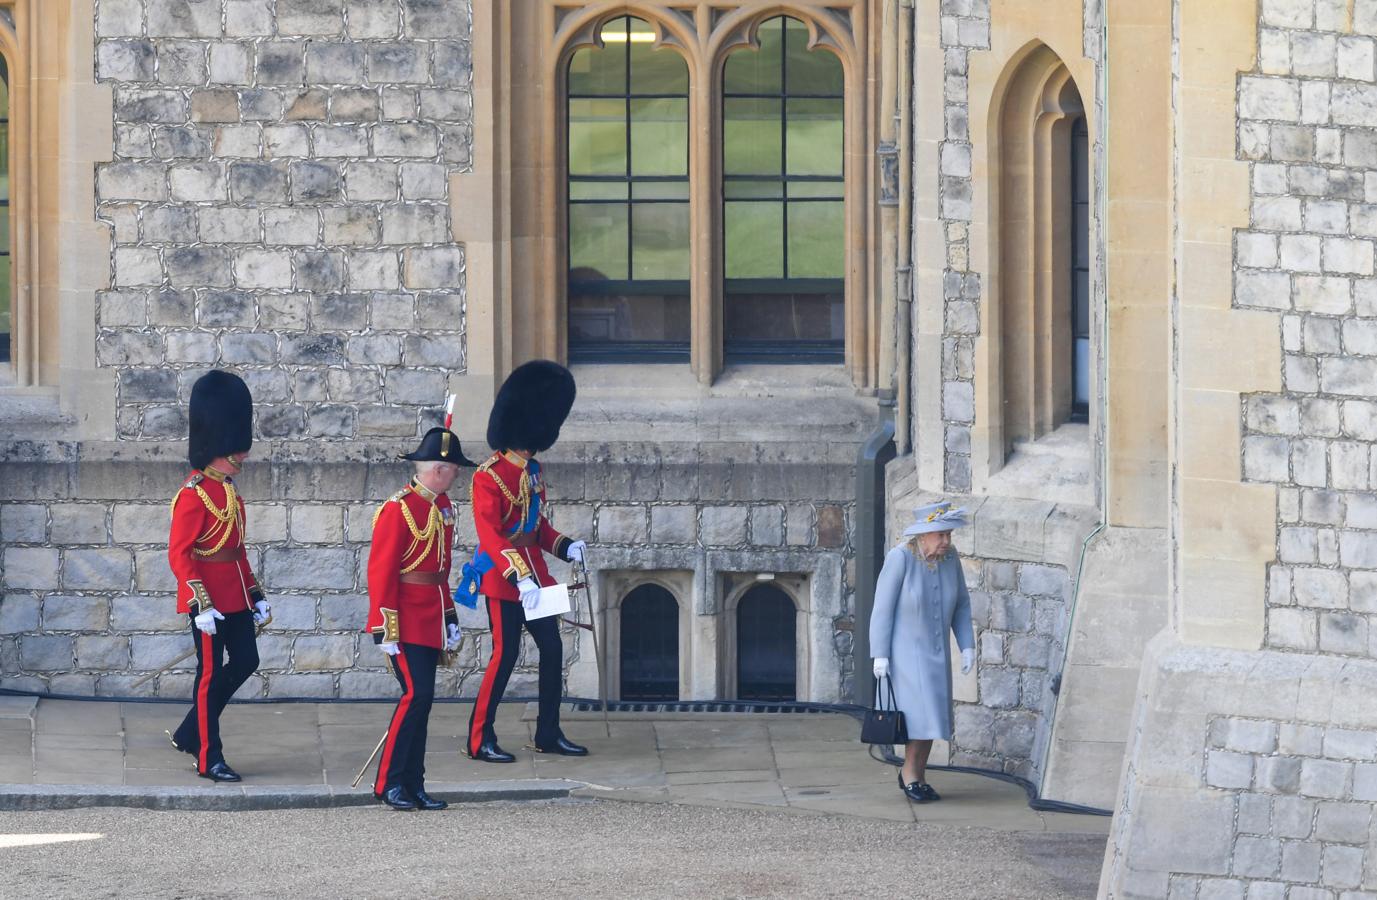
(659, 137)
(814, 135)
(653, 71)
(601, 70)
(768, 324)
(597, 190)
(660, 190)
(810, 71)
(655, 323)
(754, 239)
(828, 190)
(817, 239)
(750, 71)
(597, 137)
(598, 240)
(740, 189)
(660, 241)
(751, 137)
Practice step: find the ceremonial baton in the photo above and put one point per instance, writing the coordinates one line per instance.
(192, 652)
(582, 571)
(359, 777)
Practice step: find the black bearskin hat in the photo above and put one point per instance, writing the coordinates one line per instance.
(221, 418)
(531, 406)
(440, 445)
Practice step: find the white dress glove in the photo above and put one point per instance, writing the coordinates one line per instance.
(453, 638)
(881, 666)
(206, 620)
(391, 648)
(576, 550)
(530, 592)
(967, 659)
(261, 610)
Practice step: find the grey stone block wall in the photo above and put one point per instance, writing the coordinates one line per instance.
(87, 600)
(1305, 123)
(965, 26)
(278, 203)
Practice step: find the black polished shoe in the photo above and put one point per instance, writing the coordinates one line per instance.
(221, 772)
(425, 801)
(913, 790)
(929, 792)
(490, 752)
(176, 746)
(563, 747)
(398, 798)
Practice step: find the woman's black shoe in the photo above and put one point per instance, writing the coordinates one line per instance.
(425, 801)
(929, 792)
(490, 752)
(914, 790)
(397, 798)
(221, 772)
(563, 747)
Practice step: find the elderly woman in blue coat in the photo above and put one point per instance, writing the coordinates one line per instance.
(921, 595)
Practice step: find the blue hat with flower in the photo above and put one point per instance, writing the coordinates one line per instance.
(941, 516)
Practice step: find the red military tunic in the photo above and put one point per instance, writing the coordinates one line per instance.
(408, 568)
(503, 491)
(206, 546)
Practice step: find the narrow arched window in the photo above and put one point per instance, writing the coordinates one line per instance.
(1080, 271)
(766, 645)
(649, 653)
(628, 199)
(784, 210)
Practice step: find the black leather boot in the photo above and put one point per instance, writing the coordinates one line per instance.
(490, 752)
(427, 802)
(221, 772)
(562, 747)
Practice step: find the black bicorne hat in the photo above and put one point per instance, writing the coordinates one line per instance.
(221, 418)
(440, 445)
(531, 406)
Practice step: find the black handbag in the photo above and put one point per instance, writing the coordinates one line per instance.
(884, 726)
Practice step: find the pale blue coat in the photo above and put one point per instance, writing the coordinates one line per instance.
(914, 608)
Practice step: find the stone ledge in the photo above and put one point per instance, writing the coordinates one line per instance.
(18, 798)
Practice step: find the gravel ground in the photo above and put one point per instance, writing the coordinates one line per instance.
(575, 848)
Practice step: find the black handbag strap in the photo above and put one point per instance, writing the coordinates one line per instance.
(889, 684)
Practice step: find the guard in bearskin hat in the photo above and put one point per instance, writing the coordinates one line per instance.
(410, 613)
(216, 588)
(513, 536)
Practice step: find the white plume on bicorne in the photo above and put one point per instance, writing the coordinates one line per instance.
(449, 409)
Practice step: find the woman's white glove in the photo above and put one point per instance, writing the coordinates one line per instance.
(206, 620)
(453, 638)
(576, 550)
(530, 592)
(391, 648)
(261, 612)
(881, 666)
(967, 659)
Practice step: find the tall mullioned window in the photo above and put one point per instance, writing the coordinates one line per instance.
(628, 196)
(784, 208)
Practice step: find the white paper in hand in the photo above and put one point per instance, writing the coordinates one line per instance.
(552, 601)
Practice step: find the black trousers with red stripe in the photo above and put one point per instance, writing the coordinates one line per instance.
(403, 760)
(506, 618)
(216, 681)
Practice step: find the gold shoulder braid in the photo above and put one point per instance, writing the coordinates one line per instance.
(194, 480)
(395, 498)
(225, 519)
